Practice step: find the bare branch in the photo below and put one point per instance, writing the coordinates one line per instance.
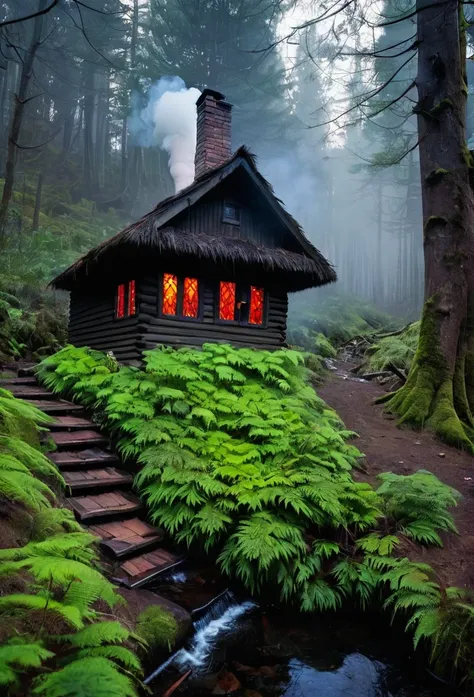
(377, 54)
(369, 96)
(408, 16)
(32, 16)
(34, 147)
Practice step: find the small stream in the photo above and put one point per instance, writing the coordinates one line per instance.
(241, 648)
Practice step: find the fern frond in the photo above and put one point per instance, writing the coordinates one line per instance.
(18, 656)
(118, 654)
(86, 677)
(68, 613)
(98, 634)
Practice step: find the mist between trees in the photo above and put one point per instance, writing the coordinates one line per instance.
(92, 68)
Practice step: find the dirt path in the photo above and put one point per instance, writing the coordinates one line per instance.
(389, 448)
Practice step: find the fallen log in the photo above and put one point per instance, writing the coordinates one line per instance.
(379, 374)
(397, 333)
(356, 339)
(399, 373)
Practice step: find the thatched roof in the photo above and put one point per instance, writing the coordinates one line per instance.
(301, 269)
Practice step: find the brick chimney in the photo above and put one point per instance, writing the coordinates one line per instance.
(213, 144)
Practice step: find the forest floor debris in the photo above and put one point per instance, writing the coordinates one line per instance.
(404, 451)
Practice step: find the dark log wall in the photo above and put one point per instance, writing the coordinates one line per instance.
(92, 323)
(175, 332)
(92, 315)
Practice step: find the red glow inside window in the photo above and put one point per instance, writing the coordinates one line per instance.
(256, 305)
(227, 300)
(170, 294)
(190, 297)
(131, 298)
(120, 311)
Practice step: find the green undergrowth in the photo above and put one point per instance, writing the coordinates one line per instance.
(238, 457)
(398, 351)
(336, 316)
(54, 641)
(33, 319)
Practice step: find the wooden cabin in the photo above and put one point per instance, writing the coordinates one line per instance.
(213, 263)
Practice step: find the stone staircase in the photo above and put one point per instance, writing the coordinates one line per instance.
(98, 491)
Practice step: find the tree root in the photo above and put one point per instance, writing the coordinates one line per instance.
(423, 403)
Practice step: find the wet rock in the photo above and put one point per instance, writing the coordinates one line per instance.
(269, 671)
(138, 600)
(241, 668)
(206, 682)
(226, 684)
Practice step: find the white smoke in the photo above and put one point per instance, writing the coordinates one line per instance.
(169, 121)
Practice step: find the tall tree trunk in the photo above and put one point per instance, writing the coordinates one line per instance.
(378, 285)
(135, 155)
(39, 190)
(17, 120)
(439, 390)
(90, 173)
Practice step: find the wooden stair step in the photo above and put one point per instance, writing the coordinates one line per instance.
(71, 423)
(138, 570)
(96, 478)
(30, 392)
(58, 406)
(124, 537)
(112, 503)
(82, 459)
(18, 381)
(27, 370)
(124, 529)
(67, 439)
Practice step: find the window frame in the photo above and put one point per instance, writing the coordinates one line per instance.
(241, 287)
(179, 300)
(126, 300)
(231, 221)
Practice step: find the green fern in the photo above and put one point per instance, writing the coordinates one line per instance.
(17, 656)
(53, 521)
(418, 505)
(99, 634)
(22, 601)
(65, 562)
(238, 455)
(34, 460)
(87, 677)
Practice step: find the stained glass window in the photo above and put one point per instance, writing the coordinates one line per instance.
(190, 297)
(170, 294)
(131, 298)
(227, 300)
(120, 305)
(256, 305)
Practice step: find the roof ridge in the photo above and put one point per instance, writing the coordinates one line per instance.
(170, 207)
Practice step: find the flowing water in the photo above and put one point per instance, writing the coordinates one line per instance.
(242, 649)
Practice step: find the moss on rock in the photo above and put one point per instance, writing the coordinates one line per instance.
(158, 627)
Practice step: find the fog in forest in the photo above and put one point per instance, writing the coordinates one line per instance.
(109, 124)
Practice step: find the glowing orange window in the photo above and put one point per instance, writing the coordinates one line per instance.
(131, 298)
(170, 294)
(190, 297)
(257, 296)
(120, 305)
(227, 300)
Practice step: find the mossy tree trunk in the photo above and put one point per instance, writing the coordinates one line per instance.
(439, 392)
